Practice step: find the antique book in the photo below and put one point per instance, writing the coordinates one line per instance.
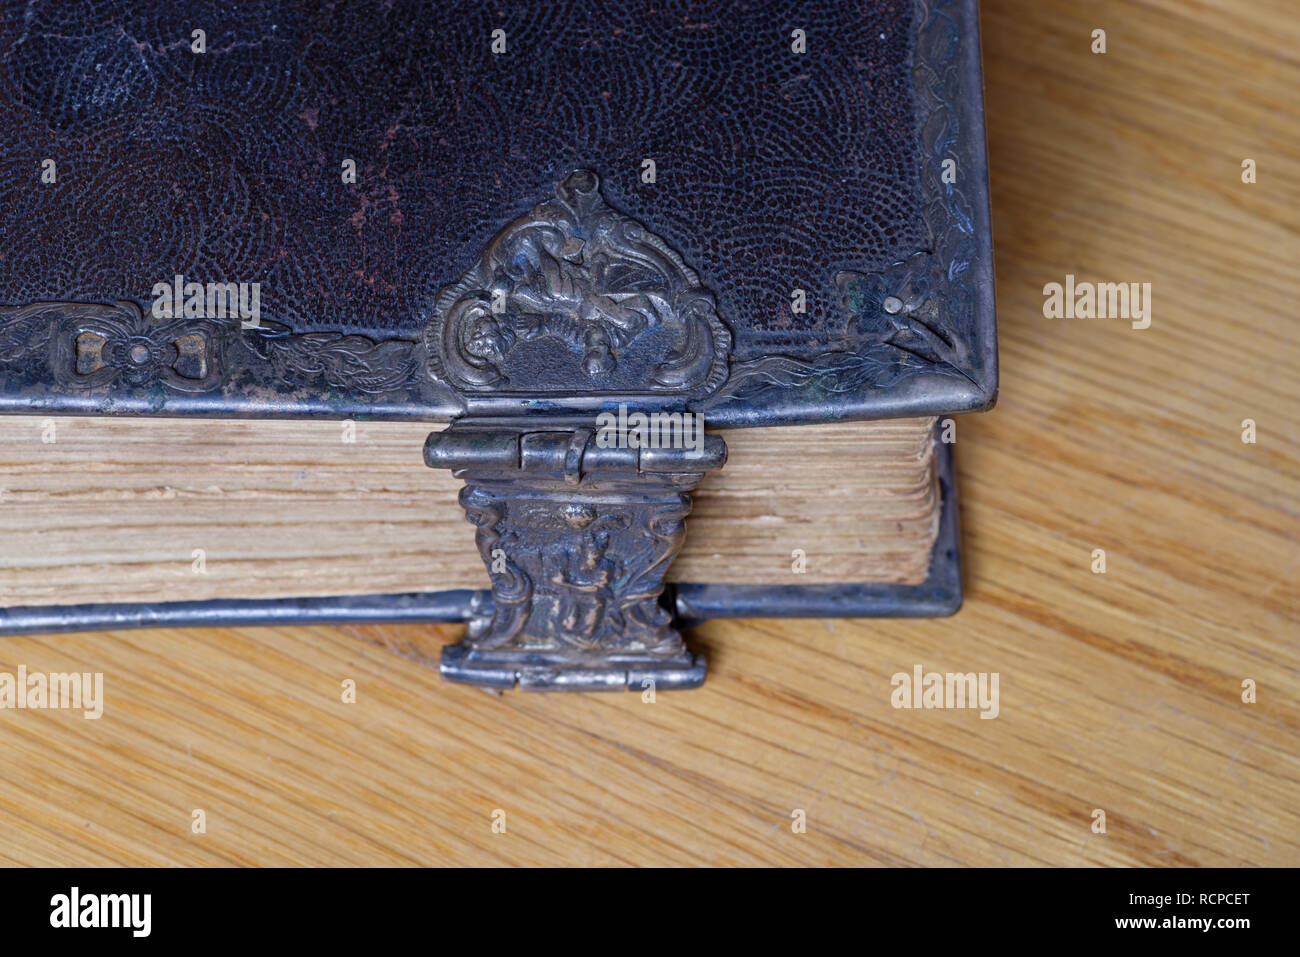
(395, 314)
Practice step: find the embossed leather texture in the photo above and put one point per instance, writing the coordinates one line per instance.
(852, 170)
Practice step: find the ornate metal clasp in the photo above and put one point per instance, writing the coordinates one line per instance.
(577, 539)
(573, 310)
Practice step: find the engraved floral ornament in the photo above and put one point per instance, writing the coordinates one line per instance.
(898, 307)
(576, 297)
(93, 345)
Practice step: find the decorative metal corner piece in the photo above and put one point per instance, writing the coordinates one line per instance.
(571, 311)
(576, 299)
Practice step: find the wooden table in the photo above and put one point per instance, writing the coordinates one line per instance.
(1119, 691)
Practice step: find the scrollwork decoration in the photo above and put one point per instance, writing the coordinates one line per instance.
(578, 298)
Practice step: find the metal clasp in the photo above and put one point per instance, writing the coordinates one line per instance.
(577, 536)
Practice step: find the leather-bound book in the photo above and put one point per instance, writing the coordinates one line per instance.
(579, 322)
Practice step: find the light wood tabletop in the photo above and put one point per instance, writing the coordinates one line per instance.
(1120, 691)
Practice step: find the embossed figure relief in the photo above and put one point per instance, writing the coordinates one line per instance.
(576, 297)
(577, 565)
(597, 593)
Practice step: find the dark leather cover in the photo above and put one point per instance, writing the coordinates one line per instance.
(853, 171)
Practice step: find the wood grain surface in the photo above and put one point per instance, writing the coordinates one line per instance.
(1119, 691)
